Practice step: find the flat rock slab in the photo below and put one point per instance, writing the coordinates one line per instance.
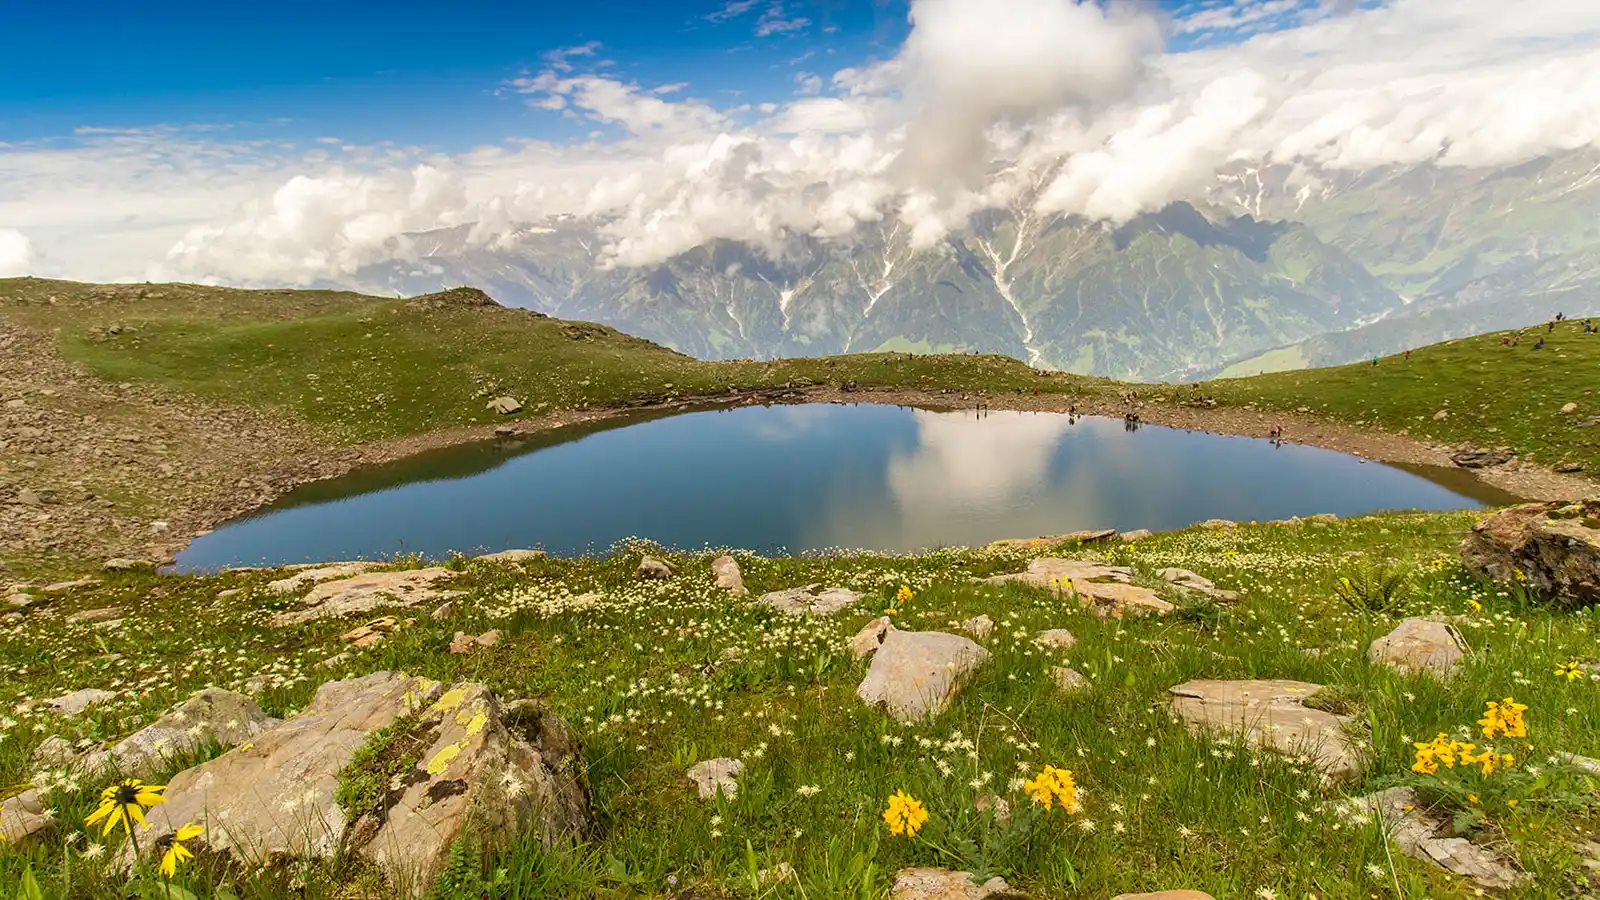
(75, 703)
(273, 796)
(1107, 590)
(978, 626)
(366, 592)
(811, 600)
(714, 775)
(105, 614)
(1421, 835)
(22, 816)
(513, 556)
(1082, 537)
(307, 577)
(1195, 582)
(914, 673)
(1167, 895)
(1421, 645)
(1270, 714)
(725, 572)
(62, 587)
(1055, 639)
(943, 884)
(212, 714)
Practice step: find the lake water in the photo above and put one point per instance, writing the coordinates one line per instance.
(811, 477)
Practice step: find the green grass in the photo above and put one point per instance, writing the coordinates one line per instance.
(1163, 809)
(1495, 395)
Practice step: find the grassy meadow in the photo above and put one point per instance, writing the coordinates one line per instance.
(657, 675)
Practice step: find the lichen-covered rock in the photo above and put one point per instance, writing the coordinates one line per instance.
(1421, 834)
(1107, 590)
(1271, 714)
(811, 600)
(725, 571)
(914, 673)
(1421, 645)
(1554, 546)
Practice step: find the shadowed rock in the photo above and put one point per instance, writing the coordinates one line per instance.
(870, 637)
(1555, 546)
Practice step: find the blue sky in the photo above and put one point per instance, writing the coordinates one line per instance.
(405, 71)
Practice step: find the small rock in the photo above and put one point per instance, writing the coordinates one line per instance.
(29, 497)
(869, 638)
(19, 599)
(1420, 645)
(62, 587)
(1107, 590)
(1166, 895)
(160, 527)
(650, 567)
(505, 406)
(76, 702)
(812, 600)
(1441, 415)
(1219, 524)
(978, 626)
(1569, 409)
(1569, 468)
(1270, 714)
(464, 643)
(22, 816)
(119, 564)
(505, 430)
(54, 752)
(1195, 582)
(371, 634)
(1055, 639)
(1420, 835)
(715, 775)
(229, 594)
(1470, 457)
(364, 593)
(442, 611)
(1134, 536)
(725, 570)
(1068, 680)
(944, 884)
(513, 556)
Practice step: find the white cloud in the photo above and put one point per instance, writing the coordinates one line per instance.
(16, 253)
(776, 20)
(982, 101)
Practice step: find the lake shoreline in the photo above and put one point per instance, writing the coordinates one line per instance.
(1523, 480)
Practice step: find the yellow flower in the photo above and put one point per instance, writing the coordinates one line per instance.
(1504, 717)
(124, 804)
(1571, 671)
(1053, 785)
(905, 814)
(178, 852)
(890, 611)
(1517, 574)
(904, 595)
(1476, 606)
(1472, 799)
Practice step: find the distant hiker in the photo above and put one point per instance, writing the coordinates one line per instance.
(1505, 340)
(1540, 345)
(1560, 316)
(1374, 362)
(1072, 409)
(1408, 354)
(1552, 328)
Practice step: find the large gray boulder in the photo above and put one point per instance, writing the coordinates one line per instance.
(1555, 547)
(914, 673)
(1421, 645)
(1271, 714)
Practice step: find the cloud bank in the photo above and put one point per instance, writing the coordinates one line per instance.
(1047, 106)
(16, 253)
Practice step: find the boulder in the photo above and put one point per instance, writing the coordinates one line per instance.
(23, 816)
(120, 564)
(650, 567)
(1219, 524)
(513, 556)
(1055, 639)
(1270, 714)
(870, 637)
(226, 717)
(1134, 536)
(1107, 590)
(61, 587)
(811, 600)
(914, 673)
(714, 775)
(19, 600)
(275, 796)
(944, 884)
(1420, 645)
(1470, 457)
(367, 592)
(505, 406)
(1556, 547)
(1068, 681)
(1420, 834)
(725, 569)
(76, 702)
(978, 626)
(54, 752)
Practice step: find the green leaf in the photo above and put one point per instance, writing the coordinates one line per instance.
(30, 889)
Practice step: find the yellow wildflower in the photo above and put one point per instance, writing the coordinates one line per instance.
(905, 814)
(1571, 671)
(904, 595)
(124, 804)
(1053, 785)
(178, 852)
(1504, 717)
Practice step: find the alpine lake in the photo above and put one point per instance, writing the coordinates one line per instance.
(816, 477)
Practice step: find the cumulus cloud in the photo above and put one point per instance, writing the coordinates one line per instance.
(16, 253)
(1053, 106)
